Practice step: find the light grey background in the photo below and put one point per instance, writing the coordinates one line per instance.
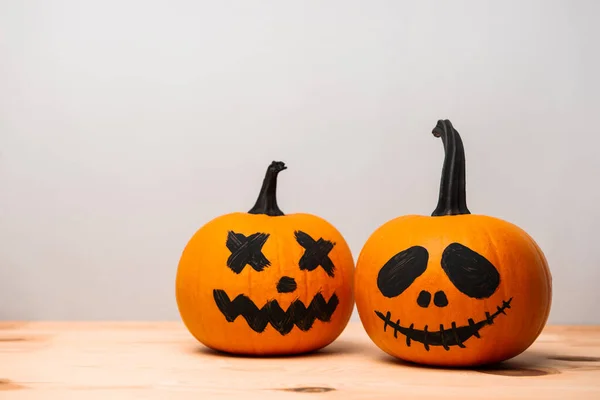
(126, 125)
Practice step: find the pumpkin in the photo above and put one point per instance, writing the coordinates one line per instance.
(452, 288)
(266, 283)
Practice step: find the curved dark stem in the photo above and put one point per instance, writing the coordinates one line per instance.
(267, 198)
(452, 200)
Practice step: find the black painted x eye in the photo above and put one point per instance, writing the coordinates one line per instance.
(246, 251)
(316, 253)
(469, 271)
(401, 271)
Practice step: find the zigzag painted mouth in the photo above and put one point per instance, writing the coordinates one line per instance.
(297, 313)
(455, 336)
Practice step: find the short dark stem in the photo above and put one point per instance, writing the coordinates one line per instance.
(452, 199)
(267, 198)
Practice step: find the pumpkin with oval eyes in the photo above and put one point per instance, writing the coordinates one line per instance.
(263, 282)
(453, 288)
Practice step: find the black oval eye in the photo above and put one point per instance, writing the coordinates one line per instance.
(469, 271)
(401, 271)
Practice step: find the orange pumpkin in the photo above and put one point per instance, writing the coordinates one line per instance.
(264, 283)
(453, 288)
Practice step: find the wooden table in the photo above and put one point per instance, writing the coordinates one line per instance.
(96, 360)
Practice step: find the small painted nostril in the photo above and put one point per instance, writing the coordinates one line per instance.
(424, 299)
(440, 299)
(286, 285)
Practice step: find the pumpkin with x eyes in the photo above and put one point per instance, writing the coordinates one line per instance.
(453, 288)
(265, 283)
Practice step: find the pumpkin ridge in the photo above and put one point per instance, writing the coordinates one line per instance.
(455, 336)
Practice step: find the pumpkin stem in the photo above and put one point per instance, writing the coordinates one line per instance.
(452, 199)
(267, 198)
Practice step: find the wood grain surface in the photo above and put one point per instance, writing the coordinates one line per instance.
(138, 360)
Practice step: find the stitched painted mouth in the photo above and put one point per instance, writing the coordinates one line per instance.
(446, 337)
(297, 314)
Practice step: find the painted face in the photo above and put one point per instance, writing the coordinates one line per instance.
(266, 283)
(469, 272)
(452, 289)
(247, 251)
